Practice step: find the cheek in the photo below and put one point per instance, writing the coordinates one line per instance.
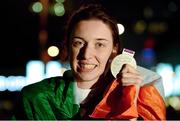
(104, 58)
(73, 52)
(73, 55)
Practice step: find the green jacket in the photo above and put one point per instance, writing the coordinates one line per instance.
(49, 99)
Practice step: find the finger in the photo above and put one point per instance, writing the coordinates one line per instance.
(129, 78)
(130, 81)
(129, 75)
(128, 68)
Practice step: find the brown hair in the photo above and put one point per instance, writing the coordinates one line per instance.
(86, 12)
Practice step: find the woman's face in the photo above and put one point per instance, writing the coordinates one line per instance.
(91, 47)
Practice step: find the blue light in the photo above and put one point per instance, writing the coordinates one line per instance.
(35, 71)
(148, 53)
(14, 83)
(176, 85)
(53, 69)
(166, 71)
(2, 83)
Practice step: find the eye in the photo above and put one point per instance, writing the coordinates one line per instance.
(100, 45)
(78, 43)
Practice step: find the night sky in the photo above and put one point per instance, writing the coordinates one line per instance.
(20, 27)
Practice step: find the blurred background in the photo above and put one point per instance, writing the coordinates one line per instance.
(32, 32)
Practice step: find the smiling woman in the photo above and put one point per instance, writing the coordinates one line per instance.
(90, 51)
(88, 90)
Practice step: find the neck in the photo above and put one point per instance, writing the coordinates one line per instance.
(85, 84)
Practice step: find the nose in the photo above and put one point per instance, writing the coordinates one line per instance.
(86, 52)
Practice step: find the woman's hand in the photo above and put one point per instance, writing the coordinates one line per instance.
(128, 75)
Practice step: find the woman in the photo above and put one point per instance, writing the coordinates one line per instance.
(89, 91)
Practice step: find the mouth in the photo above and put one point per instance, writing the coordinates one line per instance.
(87, 66)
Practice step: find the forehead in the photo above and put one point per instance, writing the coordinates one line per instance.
(92, 22)
(93, 28)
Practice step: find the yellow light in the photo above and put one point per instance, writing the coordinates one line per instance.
(53, 51)
(175, 102)
(148, 12)
(140, 27)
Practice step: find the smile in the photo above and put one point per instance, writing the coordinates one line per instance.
(87, 66)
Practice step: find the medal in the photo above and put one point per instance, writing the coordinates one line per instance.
(125, 58)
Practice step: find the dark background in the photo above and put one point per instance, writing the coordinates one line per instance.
(19, 29)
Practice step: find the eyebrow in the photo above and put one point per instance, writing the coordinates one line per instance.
(98, 39)
(102, 39)
(75, 37)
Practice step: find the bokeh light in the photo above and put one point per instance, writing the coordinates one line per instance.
(121, 28)
(37, 7)
(59, 9)
(53, 51)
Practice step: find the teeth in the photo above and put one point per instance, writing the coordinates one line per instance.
(87, 66)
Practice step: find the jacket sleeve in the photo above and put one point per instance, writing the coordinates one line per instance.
(151, 102)
(151, 99)
(118, 103)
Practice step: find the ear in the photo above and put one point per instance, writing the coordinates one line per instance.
(113, 53)
(115, 50)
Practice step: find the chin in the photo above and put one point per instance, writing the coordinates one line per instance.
(87, 77)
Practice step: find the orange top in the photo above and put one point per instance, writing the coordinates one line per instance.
(118, 103)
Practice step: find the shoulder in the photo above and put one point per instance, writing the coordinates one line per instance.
(148, 75)
(152, 78)
(43, 87)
